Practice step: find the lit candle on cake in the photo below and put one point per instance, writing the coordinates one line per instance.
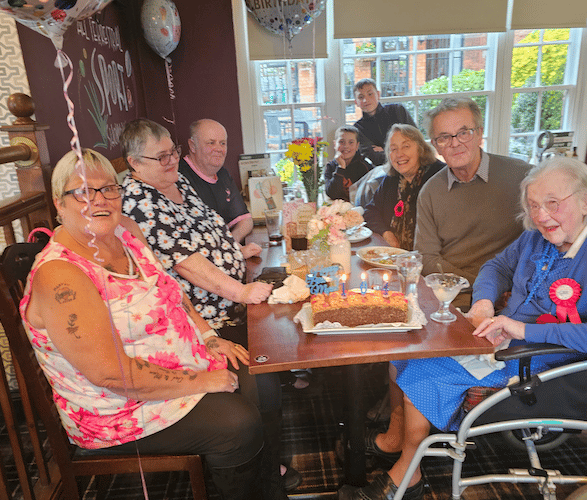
(385, 285)
(363, 283)
(343, 280)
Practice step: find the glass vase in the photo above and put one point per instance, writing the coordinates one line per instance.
(340, 253)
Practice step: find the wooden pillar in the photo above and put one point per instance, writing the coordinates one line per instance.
(28, 150)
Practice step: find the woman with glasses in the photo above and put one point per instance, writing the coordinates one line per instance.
(545, 271)
(411, 162)
(131, 363)
(196, 247)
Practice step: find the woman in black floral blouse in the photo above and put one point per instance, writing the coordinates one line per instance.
(197, 248)
(412, 161)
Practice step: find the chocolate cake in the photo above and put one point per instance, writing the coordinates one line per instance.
(356, 309)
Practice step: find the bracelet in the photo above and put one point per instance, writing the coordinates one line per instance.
(209, 333)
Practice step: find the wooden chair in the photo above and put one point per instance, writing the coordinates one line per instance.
(58, 475)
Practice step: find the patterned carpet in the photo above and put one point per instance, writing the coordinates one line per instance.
(311, 426)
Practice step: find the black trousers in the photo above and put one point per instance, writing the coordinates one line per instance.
(226, 428)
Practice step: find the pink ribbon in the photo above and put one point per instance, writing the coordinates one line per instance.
(565, 293)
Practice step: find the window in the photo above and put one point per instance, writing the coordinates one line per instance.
(541, 82)
(417, 66)
(290, 92)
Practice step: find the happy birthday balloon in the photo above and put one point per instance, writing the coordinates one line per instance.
(161, 26)
(285, 20)
(51, 18)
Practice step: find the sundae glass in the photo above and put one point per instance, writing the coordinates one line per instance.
(446, 287)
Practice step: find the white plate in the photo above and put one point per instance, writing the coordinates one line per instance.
(304, 317)
(360, 235)
(375, 255)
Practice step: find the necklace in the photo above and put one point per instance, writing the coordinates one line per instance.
(131, 268)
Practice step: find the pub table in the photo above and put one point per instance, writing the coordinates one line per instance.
(277, 344)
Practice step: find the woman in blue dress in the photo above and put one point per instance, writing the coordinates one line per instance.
(544, 270)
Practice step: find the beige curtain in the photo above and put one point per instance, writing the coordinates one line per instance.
(530, 14)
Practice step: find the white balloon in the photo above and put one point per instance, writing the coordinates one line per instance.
(284, 19)
(161, 26)
(51, 18)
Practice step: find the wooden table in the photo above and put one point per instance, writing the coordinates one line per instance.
(276, 343)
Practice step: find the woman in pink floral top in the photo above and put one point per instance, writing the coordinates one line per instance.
(128, 357)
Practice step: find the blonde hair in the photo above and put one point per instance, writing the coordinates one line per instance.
(67, 167)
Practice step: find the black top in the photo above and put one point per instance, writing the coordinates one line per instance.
(373, 129)
(223, 196)
(338, 180)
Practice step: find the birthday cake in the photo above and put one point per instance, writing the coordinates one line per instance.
(356, 309)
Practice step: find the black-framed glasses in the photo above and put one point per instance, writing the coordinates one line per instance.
(462, 136)
(550, 206)
(165, 159)
(110, 192)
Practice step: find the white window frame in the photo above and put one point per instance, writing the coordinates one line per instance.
(499, 92)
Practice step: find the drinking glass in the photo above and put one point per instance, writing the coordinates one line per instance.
(273, 221)
(446, 287)
(376, 281)
(409, 267)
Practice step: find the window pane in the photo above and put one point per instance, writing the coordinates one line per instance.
(524, 107)
(556, 34)
(554, 60)
(524, 66)
(352, 113)
(304, 73)
(358, 46)
(395, 43)
(474, 39)
(273, 83)
(522, 147)
(278, 129)
(394, 76)
(355, 70)
(551, 116)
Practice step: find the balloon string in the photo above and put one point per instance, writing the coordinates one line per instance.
(170, 86)
(62, 61)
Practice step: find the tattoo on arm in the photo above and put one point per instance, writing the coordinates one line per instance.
(187, 305)
(72, 328)
(64, 293)
(158, 372)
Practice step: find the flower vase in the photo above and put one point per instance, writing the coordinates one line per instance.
(340, 253)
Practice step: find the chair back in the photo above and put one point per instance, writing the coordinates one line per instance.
(15, 264)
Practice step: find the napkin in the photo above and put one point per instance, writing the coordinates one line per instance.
(481, 365)
(293, 290)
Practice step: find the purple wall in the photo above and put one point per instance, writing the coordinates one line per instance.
(135, 85)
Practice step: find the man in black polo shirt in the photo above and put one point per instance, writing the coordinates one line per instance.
(204, 168)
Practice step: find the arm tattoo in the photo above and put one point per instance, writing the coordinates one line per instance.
(72, 328)
(158, 372)
(64, 293)
(187, 305)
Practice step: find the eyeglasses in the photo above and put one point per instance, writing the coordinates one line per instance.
(462, 136)
(550, 207)
(110, 192)
(165, 159)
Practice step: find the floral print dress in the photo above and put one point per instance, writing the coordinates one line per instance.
(149, 318)
(175, 231)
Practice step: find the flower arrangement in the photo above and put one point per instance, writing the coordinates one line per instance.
(307, 153)
(328, 226)
(285, 170)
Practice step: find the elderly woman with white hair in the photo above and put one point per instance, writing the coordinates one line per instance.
(546, 273)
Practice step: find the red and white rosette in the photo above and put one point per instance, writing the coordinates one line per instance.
(565, 293)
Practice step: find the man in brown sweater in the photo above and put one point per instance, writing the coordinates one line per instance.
(467, 212)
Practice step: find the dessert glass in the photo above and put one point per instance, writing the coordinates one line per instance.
(445, 287)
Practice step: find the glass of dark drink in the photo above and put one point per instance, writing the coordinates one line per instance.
(273, 222)
(299, 242)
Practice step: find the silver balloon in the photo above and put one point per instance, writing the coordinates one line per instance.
(161, 26)
(282, 19)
